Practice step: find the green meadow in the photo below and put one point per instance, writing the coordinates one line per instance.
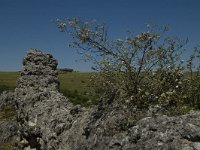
(74, 81)
(8, 80)
(74, 85)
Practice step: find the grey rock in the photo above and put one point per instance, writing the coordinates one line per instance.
(43, 113)
(49, 121)
(6, 98)
(8, 126)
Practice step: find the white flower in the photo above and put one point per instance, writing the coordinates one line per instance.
(180, 82)
(132, 97)
(163, 95)
(119, 40)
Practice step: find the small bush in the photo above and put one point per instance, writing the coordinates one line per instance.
(65, 70)
(145, 68)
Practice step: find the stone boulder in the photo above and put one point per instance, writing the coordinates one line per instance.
(43, 113)
(8, 123)
(49, 121)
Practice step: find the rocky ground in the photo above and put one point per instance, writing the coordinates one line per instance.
(8, 122)
(49, 121)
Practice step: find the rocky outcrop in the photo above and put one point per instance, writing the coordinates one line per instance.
(8, 123)
(165, 132)
(6, 98)
(43, 113)
(49, 121)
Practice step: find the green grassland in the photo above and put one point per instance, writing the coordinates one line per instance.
(74, 85)
(8, 80)
(74, 81)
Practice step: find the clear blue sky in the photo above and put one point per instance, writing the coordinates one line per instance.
(28, 24)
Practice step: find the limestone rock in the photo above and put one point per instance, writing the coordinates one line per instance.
(6, 98)
(49, 121)
(8, 123)
(43, 113)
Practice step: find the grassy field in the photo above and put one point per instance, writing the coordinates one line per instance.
(8, 80)
(75, 81)
(74, 85)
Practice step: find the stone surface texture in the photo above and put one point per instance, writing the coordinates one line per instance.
(49, 121)
(8, 124)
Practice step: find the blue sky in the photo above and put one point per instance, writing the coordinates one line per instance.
(28, 24)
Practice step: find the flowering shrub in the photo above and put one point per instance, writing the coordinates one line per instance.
(146, 68)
